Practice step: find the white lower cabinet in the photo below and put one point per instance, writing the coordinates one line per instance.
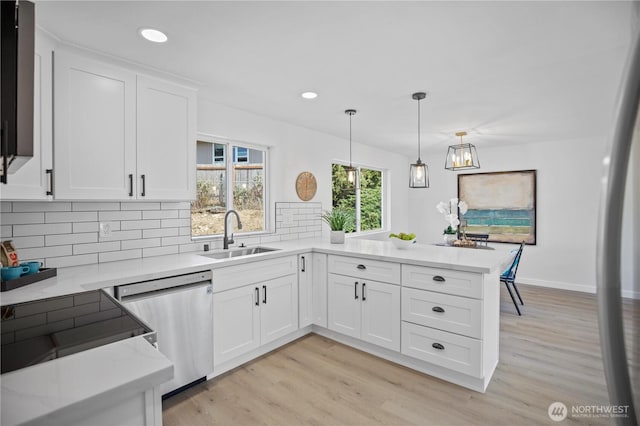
(319, 289)
(236, 323)
(367, 310)
(305, 289)
(247, 317)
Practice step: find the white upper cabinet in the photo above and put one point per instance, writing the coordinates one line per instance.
(119, 135)
(95, 129)
(31, 181)
(166, 140)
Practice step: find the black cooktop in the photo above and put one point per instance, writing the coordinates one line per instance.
(39, 331)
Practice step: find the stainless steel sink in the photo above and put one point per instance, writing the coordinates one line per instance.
(228, 254)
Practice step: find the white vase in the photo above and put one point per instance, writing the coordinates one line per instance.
(337, 237)
(450, 238)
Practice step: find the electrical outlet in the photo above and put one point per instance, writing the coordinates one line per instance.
(105, 229)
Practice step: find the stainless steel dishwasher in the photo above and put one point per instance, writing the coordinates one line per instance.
(180, 310)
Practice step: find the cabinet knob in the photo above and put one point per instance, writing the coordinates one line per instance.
(439, 278)
(438, 346)
(437, 309)
(361, 267)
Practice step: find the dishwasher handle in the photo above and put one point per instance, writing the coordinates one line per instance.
(129, 290)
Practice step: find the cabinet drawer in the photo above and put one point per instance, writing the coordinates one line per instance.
(442, 311)
(365, 269)
(460, 283)
(229, 277)
(456, 352)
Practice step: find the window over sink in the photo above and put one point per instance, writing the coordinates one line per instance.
(229, 175)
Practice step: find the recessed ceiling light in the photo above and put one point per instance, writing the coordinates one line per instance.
(153, 35)
(309, 95)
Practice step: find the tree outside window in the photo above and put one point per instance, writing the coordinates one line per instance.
(364, 203)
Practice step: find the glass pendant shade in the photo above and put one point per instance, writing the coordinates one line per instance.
(352, 175)
(462, 156)
(418, 171)
(418, 175)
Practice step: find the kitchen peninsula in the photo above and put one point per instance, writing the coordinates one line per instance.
(364, 293)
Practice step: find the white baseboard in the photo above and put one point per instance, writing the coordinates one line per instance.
(571, 286)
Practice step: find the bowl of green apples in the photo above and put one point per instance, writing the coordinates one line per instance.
(403, 241)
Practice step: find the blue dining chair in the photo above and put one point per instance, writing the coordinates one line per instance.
(509, 277)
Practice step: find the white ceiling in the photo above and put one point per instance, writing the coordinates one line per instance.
(506, 72)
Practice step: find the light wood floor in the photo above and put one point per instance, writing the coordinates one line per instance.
(549, 354)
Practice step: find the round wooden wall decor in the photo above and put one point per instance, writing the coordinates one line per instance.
(306, 186)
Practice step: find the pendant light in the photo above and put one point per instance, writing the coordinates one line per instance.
(419, 172)
(352, 172)
(462, 156)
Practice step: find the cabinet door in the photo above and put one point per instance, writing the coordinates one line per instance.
(381, 314)
(95, 129)
(279, 308)
(344, 305)
(166, 140)
(319, 288)
(305, 289)
(31, 181)
(236, 323)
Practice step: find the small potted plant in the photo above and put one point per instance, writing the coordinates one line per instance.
(338, 220)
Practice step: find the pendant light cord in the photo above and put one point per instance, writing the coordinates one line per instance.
(350, 165)
(419, 130)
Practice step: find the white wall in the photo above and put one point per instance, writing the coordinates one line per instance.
(295, 149)
(568, 176)
(630, 268)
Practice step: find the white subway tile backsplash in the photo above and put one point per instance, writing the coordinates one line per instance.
(160, 251)
(140, 206)
(86, 227)
(41, 206)
(43, 229)
(28, 242)
(62, 234)
(75, 260)
(22, 218)
(165, 232)
(174, 223)
(176, 206)
(61, 239)
(88, 207)
(6, 231)
(40, 252)
(123, 235)
(139, 224)
(96, 247)
(113, 256)
(58, 217)
(171, 241)
(120, 215)
(134, 244)
(160, 214)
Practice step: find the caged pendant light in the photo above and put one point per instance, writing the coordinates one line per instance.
(462, 156)
(419, 172)
(352, 172)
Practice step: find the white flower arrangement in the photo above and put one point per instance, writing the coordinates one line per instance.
(450, 212)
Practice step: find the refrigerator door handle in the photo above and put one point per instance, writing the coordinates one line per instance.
(608, 248)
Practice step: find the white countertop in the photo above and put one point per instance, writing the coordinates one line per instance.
(118, 369)
(84, 278)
